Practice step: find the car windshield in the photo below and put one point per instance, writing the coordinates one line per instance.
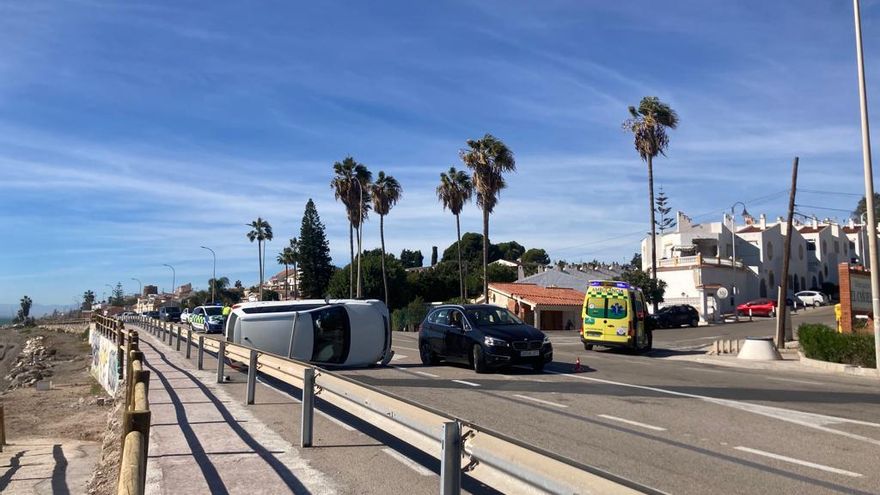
(490, 316)
(214, 311)
(172, 310)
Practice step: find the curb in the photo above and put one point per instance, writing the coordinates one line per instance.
(846, 369)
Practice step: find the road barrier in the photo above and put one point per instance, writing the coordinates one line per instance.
(500, 462)
(135, 437)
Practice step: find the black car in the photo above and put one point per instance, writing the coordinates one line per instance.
(152, 314)
(676, 316)
(483, 336)
(169, 313)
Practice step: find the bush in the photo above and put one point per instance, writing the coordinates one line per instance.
(408, 318)
(823, 343)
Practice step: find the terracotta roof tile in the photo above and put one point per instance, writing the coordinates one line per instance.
(852, 230)
(811, 230)
(551, 296)
(748, 230)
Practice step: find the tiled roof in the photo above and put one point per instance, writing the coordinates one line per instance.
(748, 230)
(572, 279)
(550, 296)
(811, 230)
(280, 275)
(852, 230)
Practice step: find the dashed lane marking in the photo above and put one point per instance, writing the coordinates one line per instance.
(631, 422)
(471, 384)
(425, 373)
(540, 401)
(798, 461)
(418, 468)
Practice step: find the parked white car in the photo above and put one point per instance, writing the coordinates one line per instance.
(811, 298)
(184, 315)
(341, 332)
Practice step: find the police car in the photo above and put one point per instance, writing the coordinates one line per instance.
(208, 319)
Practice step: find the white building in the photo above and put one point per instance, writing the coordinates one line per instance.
(697, 260)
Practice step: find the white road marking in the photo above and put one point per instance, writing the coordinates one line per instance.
(798, 461)
(539, 401)
(792, 380)
(407, 348)
(398, 357)
(631, 422)
(408, 462)
(709, 370)
(425, 373)
(810, 420)
(472, 384)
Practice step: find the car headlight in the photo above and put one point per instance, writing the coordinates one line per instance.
(546, 339)
(493, 342)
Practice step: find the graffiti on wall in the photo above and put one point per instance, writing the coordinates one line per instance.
(105, 355)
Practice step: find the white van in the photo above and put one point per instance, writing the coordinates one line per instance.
(340, 332)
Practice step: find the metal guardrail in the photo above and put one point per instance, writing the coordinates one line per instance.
(135, 438)
(500, 462)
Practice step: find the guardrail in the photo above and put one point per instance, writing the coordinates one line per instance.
(135, 438)
(501, 462)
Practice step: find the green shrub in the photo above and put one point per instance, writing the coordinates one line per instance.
(822, 342)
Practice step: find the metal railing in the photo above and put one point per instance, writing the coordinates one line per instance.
(501, 462)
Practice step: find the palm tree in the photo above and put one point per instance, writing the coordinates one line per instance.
(260, 231)
(350, 185)
(648, 123)
(285, 257)
(88, 299)
(294, 257)
(489, 158)
(385, 193)
(454, 191)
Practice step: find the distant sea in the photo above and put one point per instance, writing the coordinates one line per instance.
(5, 319)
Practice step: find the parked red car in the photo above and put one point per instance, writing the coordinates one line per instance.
(758, 307)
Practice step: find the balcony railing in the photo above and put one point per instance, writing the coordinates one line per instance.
(698, 260)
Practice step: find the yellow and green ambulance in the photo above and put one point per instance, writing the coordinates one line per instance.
(615, 315)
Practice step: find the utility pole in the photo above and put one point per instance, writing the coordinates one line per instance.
(781, 305)
(869, 183)
(213, 273)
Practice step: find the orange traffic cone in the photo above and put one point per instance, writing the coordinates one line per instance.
(577, 365)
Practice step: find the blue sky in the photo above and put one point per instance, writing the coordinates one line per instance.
(131, 133)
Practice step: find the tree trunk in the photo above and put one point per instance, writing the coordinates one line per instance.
(351, 265)
(486, 254)
(653, 228)
(263, 269)
(286, 286)
(295, 280)
(460, 271)
(260, 260)
(360, 231)
(382, 238)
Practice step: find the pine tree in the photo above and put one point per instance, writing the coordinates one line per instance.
(661, 206)
(314, 255)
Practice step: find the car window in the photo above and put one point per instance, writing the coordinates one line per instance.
(214, 311)
(332, 335)
(596, 307)
(442, 317)
(491, 315)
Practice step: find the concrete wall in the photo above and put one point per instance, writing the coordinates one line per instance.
(104, 361)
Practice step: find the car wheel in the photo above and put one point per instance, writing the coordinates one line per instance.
(588, 347)
(538, 366)
(650, 344)
(479, 359)
(694, 322)
(816, 304)
(772, 313)
(426, 354)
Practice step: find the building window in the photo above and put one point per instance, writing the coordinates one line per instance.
(801, 251)
(769, 250)
(824, 247)
(771, 279)
(836, 247)
(826, 269)
(811, 245)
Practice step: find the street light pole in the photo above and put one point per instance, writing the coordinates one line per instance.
(869, 182)
(111, 293)
(733, 259)
(863, 243)
(360, 235)
(213, 273)
(173, 279)
(140, 286)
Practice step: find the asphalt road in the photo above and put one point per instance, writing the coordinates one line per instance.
(678, 426)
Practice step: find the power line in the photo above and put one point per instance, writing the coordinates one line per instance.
(813, 191)
(823, 208)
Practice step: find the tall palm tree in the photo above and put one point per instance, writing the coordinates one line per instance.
(350, 185)
(294, 257)
(648, 123)
(454, 191)
(286, 258)
(489, 158)
(385, 193)
(261, 232)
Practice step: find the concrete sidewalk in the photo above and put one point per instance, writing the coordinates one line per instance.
(45, 465)
(202, 441)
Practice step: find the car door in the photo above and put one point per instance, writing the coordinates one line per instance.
(198, 319)
(457, 341)
(436, 331)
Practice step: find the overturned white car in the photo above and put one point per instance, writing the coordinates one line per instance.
(338, 332)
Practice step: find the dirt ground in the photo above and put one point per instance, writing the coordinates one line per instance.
(70, 408)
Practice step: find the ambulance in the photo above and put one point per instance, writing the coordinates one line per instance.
(615, 315)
